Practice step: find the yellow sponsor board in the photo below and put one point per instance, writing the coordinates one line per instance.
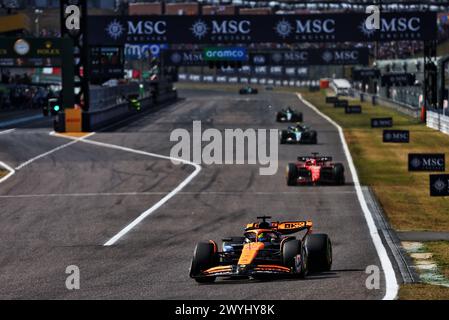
(73, 120)
(14, 23)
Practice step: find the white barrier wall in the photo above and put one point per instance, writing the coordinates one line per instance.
(438, 121)
(247, 80)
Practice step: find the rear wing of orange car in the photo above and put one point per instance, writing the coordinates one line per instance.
(286, 227)
(290, 227)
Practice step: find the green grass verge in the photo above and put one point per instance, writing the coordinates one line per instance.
(404, 196)
(423, 292)
(440, 251)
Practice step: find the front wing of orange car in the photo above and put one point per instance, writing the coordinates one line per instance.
(246, 271)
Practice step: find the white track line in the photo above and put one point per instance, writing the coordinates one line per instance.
(392, 287)
(4, 165)
(161, 202)
(11, 171)
(7, 131)
(138, 194)
(51, 151)
(20, 121)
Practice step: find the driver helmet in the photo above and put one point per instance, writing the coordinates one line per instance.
(263, 237)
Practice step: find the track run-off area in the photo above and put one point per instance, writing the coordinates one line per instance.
(115, 205)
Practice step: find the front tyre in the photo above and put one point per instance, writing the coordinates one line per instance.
(204, 257)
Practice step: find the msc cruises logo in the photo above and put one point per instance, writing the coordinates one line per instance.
(115, 29)
(226, 30)
(440, 185)
(176, 58)
(283, 28)
(366, 32)
(427, 162)
(327, 56)
(199, 29)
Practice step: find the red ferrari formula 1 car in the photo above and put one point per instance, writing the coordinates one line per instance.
(266, 250)
(315, 170)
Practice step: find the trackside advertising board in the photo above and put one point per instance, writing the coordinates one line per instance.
(353, 109)
(225, 54)
(328, 27)
(439, 185)
(317, 57)
(426, 162)
(381, 122)
(303, 57)
(396, 136)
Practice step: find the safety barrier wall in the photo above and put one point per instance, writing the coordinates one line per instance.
(403, 95)
(438, 121)
(98, 117)
(399, 106)
(94, 120)
(247, 80)
(105, 97)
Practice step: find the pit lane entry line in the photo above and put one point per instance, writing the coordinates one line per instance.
(392, 287)
(157, 205)
(9, 169)
(7, 131)
(20, 167)
(4, 165)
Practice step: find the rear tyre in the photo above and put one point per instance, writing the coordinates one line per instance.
(204, 257)
(339, 174)
(290, 249)
(298, 117)
(313, 137)
(292, 174)
(284, 136)
(319, 249)
(279, 117)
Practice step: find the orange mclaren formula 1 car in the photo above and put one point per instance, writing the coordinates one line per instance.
(266, 250)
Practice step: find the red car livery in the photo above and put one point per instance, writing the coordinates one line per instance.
(315, 170)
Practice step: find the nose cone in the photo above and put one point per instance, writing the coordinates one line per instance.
(249, 252)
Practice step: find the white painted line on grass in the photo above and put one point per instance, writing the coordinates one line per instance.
(392, 287)
(28, 162)
(161, 202)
